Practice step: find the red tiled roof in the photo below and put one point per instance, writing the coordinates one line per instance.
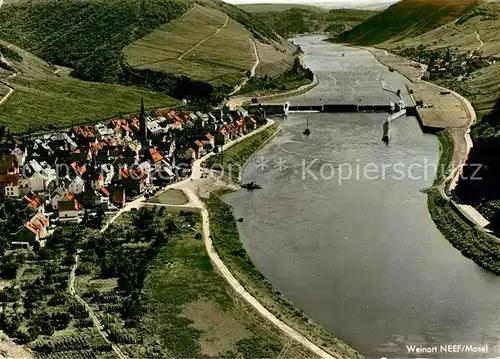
(105, 191)
(33, 228)
(124, 173)
(155, 155)
(199, 143)
(210, 136)
(69, 196)
(33, 202)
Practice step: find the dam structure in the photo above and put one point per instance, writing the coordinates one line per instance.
(286, 108)
(394, 109)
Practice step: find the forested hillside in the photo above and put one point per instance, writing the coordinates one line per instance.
(290, 19)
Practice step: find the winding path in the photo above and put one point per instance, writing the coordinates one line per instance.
(5, 61)
(204, 39)
(481, 42)
(252, 70)
(196, 203)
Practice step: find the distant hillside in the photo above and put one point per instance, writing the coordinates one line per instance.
(290, 19)
(407, 18)
(266, 7)
(44, 98)
(483, 20)
(207, 45)
(90, 36)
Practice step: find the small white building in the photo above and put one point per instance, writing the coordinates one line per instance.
(77, 185)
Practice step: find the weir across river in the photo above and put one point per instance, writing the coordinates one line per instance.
(286, 108)
(395, 110)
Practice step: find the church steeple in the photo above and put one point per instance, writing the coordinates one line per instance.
(142, 123)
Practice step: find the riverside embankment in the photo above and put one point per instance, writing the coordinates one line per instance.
(361, 255)
(460, 223)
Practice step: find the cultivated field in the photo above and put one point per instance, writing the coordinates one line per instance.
(463, 33)
(407, 18)
(42, 98)
(173, 39)
(477, 30)
(274, 58)
(484, 87)
(62, 102)
(203, 44)
(183, 308)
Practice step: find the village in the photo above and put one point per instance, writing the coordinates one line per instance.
(83, 174)
(446, 63)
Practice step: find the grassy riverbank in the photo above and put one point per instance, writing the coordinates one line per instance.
(227, 242)
(234, 159)
(482, 248)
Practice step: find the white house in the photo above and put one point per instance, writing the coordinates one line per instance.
(17, 189)
(108, 172)
(34, 230)
(20, 155)
(69, 209)
(57, 196)
(77, 186)
(38, 182)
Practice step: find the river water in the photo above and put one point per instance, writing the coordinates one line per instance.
(360, 254)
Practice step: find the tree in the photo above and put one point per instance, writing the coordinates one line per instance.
(9, 267)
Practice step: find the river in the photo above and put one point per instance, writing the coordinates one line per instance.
(360, 254)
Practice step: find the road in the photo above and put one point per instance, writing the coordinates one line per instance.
(95, 320)
(189, 187)
(196, 203)
(462, 146)
(481, 42)
(240, 100)
(205, 39)
(5, 61)
(252, 70)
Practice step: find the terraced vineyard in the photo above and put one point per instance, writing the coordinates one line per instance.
(152, 284)
(405, 19)
(467, 33)
(44, 100)
(203, 44)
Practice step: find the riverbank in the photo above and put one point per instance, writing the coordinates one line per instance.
(462, 227)
(246, 100)
(227, 243)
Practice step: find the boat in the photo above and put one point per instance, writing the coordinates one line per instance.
(387, 131)
(240, 219)
(306, 131)
(251, 185)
